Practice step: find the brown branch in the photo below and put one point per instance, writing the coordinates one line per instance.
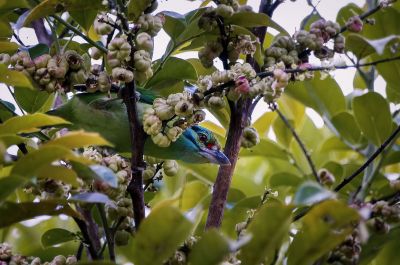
(137, 135)
(107, 231)
(298, 140)
(41, 32)
(87, 239)
(369, 161)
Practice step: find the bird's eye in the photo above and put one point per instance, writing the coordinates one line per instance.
(202, 137)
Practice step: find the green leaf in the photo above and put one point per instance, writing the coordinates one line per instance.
(372, 114)
(284, 179)
(7, 5)
(38, 50)
(393, 93)
(31, 163)
(347, 127)
(173, 70)
(11, 139)
(90, 197)
(263, 123)
(251, 20)
(97, 262)
(84, 18)
(310, 193)
(33, 100)
(200, 69)
(50, 7)
(363, 47)
(137, 7)
(268, 229)
(324, 96)
(8, 185)
(57, 236)
(160, 234)
(193, 193)
(265, 148)
(8, 47)
(11, 212)
(325, 226)
(210, 249)
(64, 174)
(13, 77)
(282, 132)
(29, 123)
(79, 139)
(5, 29)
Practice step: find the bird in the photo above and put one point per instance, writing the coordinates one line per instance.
(96, 112)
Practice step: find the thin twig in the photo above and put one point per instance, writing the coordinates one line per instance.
(369, 161)
(107, 232)
(298, 140)
(79, 33)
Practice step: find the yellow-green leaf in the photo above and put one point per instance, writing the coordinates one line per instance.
(13, 78)
(30, 164)
(29, 123)
(66, 175)
(79, 139)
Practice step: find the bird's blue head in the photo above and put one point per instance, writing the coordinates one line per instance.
(207, 147)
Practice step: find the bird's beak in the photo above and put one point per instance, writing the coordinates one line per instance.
(215, 156)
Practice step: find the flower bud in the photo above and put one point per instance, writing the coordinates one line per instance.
(173, 99)
(216, 102)
(100, 25)
(122, 238)
(197, 117)
(58, 67)
(143, 76)
(144, 42)
(242, 85)
(119, 48)
(95, 53)
(59, 260)
(184, 108)
(152, 125)
(79, 77)
(71, 260)
(224, 11)
(249, 138)
(41, 61)
(104, 82)
(170, 168)
(174, 133)
(142, 60)
(326, 177)
(74, 59)
(121, 74)
(161, 140)
(163, 110)
(5, 58)
(149, 172)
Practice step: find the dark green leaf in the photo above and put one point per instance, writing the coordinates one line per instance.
(265, 148)
(363, 47)
(267, 233)
(347, 127)
(7, 5)
(372, 114)
(56, 236)
(160, 234)
(251, 20)
(284, 179)
(16, 212)
(210, 249)
(137, 7)
(84, 18)
(38, 50)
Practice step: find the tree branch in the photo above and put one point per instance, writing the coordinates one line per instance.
(138, 137)
(369, 161)
(298, 140)
(109, 235)
(41, 33)
(86, 237)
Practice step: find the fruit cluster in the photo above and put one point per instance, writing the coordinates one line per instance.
(166, 120)
(10, 258)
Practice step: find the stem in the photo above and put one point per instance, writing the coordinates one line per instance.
(87, 240)
(225, 172)
(79, 33)
(79, 252)
(298, 140)
(138, 137)
(90, 232)
(41, 33)
(369, 161)
(54, 36)
(107, 232)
